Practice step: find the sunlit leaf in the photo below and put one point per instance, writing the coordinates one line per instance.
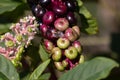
(39, 70)
(8, 5)
(43, 54)
(88, 22)
(95, 69)
(45, 76)
(7, 70)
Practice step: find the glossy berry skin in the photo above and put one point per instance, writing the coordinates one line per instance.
(63, 43)
(77, 45)
(71, 18)
(48, 17)
(71, 52)
(59, 66)
(48, 45)
(71, 34)
(44, 28)
(41, 12)
(38, 11)
(35, 9)
(61, 24)
(40, 23)
(77, 30)
(44, 3)
(70, 5)
(60, 9)
(56, 53)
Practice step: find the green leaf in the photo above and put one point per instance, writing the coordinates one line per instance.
(45, 76)
(80, 3)
(39, 70)
(4, 28)
(83, 10)
(8, 5)
(89, 24)
(43, 54)
(7, 70)
(2, 77)
(92, 29)
(95, 69)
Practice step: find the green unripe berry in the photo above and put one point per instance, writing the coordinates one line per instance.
(56, 54)
(71, 52)
(59, 66)
(63, 43)
(64, 63)
(81, 60)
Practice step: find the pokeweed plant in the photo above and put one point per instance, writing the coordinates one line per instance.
(35, 46)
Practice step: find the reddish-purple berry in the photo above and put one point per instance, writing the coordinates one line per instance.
(48, 17)
(71, 34)
(61, 24)
(60, 9)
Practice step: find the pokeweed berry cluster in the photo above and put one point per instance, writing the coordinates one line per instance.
(13, 43)
(59, 29)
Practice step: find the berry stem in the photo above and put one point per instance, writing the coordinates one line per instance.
(70, 63)
(53, 74)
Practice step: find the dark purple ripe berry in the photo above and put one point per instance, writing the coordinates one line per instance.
(60, 8)
(44, 2)
(40, 23)
(71, 18)
(70, 5)
(48, 17)
(41, 12)
(38, 11)
(35, 9)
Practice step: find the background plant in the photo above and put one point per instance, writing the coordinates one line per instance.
(38, 64)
